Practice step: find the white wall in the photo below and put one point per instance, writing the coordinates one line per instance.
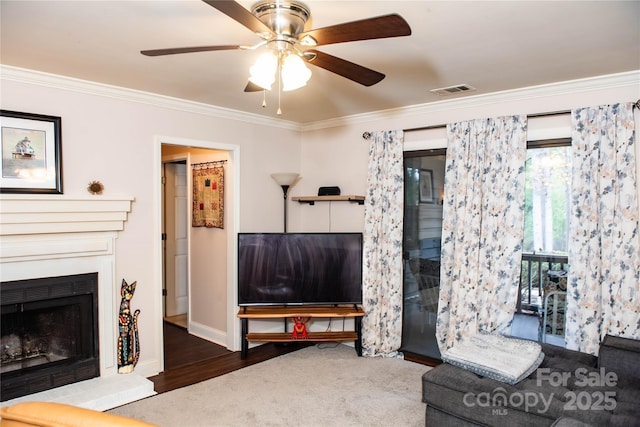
(333, 157)
(335, 152)
(208, 298)
(109, 138)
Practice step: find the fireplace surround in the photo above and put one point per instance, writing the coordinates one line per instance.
(48, 236)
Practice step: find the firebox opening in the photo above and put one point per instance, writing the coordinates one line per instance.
(49, 333)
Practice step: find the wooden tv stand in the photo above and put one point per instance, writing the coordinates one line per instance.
(286, 312)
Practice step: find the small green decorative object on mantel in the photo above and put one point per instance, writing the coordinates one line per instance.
(128, 342)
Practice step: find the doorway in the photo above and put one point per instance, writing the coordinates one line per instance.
(175, 241)
(173, 161)
(424, 191)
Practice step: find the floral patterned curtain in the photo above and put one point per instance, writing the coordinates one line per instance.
(603, 293)
(482, 231)
(208, 197)
(382, 246)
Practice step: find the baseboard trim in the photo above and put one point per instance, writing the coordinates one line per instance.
(208, 333)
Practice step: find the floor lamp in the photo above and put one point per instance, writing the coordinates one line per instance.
(285, 180)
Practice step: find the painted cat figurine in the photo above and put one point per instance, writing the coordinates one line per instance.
(128, 344)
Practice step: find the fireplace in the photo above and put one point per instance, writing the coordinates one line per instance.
(49, 333)
(53, 236)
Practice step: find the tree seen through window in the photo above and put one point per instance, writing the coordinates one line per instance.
(547, 198)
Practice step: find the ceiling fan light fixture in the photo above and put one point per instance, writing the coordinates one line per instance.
(281, 26)
(263, 72)
(295, 74)
(308, 40)
(281, 16)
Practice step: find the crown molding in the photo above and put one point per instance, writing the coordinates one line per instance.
(23, 75)
(92, 88)
(610, 81)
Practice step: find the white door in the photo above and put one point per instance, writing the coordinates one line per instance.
(176, 229)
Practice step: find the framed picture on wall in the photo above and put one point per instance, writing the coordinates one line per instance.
(426, 186)
(31, 153)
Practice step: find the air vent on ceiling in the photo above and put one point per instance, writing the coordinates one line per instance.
(452, 90)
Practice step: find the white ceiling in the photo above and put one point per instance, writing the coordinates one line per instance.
(490, 45)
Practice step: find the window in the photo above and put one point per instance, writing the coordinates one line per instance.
(546, 231)
(547, 193)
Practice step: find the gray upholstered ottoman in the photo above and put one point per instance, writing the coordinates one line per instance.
(569, 388)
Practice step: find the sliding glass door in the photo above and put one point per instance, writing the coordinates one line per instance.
(424, 191)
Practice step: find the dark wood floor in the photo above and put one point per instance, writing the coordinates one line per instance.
(182, 349)
(189, 359)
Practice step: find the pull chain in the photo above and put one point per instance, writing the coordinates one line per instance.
(279, 112)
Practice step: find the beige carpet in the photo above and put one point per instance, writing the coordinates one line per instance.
(318, 386)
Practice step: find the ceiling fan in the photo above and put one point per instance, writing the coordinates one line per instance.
(280, 25)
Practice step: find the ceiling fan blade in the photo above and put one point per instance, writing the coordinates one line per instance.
(252, 87)
(380, 27)
(176, 50)
(357, 73)
(235, 11)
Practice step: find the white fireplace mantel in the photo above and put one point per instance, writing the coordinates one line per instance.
(41, 227)
(56, 235)
(42, 214)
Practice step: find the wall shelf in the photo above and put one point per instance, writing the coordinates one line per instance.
(311, 200)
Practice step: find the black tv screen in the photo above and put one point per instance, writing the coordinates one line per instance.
(299, 268)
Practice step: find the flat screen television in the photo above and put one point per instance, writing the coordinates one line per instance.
(299, 268)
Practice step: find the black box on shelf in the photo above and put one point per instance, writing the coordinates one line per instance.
(329, 191)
